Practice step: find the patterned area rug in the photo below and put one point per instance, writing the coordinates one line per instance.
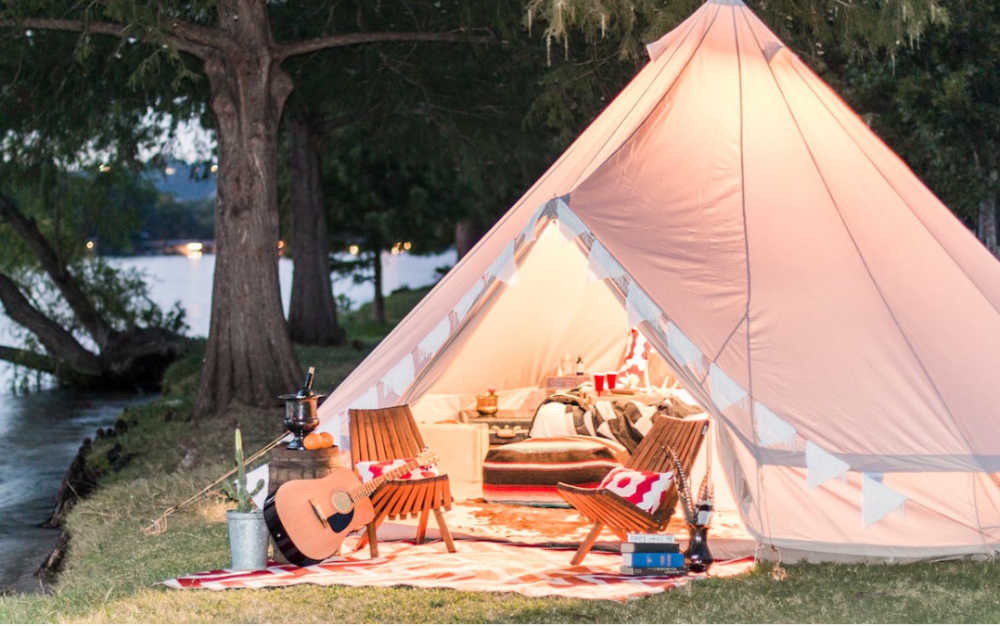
(561, 528)
(477, 566)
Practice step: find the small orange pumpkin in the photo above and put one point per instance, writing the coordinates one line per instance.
(312, 441)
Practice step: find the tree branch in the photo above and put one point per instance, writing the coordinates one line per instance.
(57, 340)
(295, 48)
(190, 38)
(33, 360)
(96, 326)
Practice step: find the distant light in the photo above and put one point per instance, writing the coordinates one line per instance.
(353, 249)
(215, 168)
(90, 245)
(407, 246)
(195, 246)
(170, 171)
(105, 168)
(396, 249)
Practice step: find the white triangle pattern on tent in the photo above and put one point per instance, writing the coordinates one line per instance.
(822, 466)
(878, 500)
(469, 299)
(400, 376)
(430, 344)
(504, 267)
(601, 265)
(771, 429)
(367, 400)
(725, 391)
(570, 226)
(640, 307)
(529, 230)
(684, 350)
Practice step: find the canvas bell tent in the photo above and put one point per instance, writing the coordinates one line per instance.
(838, 323)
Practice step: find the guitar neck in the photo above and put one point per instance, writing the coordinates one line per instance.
(366, 489)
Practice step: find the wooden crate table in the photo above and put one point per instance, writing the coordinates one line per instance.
(505, 426)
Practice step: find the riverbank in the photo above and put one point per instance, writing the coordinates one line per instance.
(113, 566)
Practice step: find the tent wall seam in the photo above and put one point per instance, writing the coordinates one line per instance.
(764, 519)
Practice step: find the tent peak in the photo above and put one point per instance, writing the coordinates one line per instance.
(729, 2)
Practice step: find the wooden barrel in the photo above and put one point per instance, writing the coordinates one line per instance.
(286, 465)
(289, 465)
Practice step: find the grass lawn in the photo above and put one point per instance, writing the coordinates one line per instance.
(113, 566)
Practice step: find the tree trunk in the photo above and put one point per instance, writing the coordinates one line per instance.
(988, 223)
(312, 314)
(467, 234)
(249, 357)
(378, 303)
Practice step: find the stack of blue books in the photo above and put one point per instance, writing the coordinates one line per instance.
(647, 554)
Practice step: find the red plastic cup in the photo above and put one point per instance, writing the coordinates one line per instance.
(599, 383)
(612, 380)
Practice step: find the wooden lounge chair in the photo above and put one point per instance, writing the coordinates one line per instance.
(605, 508)
(388, 434)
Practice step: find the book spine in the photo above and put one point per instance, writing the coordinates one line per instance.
(653, 559)
(627, 570)
(650, 547)
(649, 538)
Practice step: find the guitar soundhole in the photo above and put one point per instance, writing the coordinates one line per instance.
(342, 502)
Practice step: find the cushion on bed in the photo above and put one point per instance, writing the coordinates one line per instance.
(527, 472)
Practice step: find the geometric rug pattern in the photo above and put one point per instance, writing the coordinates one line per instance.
(477, 566)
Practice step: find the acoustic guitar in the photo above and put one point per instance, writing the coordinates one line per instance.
(309, 519)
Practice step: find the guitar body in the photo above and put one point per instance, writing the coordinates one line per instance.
(304, 520)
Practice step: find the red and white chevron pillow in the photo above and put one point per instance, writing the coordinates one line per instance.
(370, 470)
(645, 490)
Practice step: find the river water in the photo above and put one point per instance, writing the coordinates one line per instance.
(41, 431)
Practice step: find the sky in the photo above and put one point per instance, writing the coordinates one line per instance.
(192, 143)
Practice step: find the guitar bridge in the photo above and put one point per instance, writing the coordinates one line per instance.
(319, 512)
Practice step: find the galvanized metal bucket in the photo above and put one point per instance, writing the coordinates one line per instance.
(248, 540)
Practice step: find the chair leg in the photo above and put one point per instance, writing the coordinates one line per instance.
(422, 525)
(372, 541)
(587, 544)
(445, 533)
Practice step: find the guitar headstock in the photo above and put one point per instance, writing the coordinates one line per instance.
(427, 456)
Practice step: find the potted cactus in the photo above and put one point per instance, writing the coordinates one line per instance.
(248, 535)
